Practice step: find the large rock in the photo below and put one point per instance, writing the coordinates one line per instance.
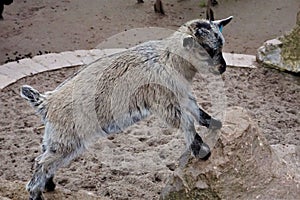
(242, 166)
(284, 52)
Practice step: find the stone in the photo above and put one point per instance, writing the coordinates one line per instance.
(89, 56)
(5, 80)
(108, 52)
(240, 60)
(35, 67)
(51, 61)
(71, 58)
(14, 70)
(282, 53)
(81, 53)
(242, 166)
(87, 59)
(95, 54)
(84, 56)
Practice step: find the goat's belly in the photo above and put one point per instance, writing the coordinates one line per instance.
(119, 123)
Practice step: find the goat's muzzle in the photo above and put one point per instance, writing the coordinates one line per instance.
(219, 65)
(222, 66)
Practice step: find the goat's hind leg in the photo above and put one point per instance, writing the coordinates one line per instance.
(49, 184)
(35, 185)
(46, 165)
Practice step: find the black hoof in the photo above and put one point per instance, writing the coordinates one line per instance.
(200, 149)
(215, 124)
(204, 152)
(36, 197)
(50, 185)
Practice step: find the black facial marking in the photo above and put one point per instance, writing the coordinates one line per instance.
(219, 39)
(216, 35)
(200, 25)
(209, 50)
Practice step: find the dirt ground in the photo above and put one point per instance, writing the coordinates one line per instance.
(137, 163)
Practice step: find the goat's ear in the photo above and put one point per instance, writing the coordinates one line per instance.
(188, 42)
(223, 22)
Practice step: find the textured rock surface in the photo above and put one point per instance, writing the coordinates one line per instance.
(242, 166)
(283, 53)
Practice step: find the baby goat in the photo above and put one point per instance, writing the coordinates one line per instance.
(117, 91)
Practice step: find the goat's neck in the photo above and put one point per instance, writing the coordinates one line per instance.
(179, 64)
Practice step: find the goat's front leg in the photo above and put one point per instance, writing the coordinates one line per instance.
(201, 116)
(177, 117)
(193, 140)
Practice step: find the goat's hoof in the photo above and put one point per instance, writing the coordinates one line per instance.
(215, 124)
(206, 157)
(39, 196)
(50, 185)
(202, 151)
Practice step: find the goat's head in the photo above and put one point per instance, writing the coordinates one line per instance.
(207, 36)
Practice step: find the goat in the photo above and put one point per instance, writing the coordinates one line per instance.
(117, 91)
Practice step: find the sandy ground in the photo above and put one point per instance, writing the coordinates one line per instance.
(136, 163)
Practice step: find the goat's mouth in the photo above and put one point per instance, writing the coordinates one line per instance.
(222, 69)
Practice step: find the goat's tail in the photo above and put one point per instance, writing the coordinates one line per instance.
(35, 98)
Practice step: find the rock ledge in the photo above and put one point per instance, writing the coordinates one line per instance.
(242, 166)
